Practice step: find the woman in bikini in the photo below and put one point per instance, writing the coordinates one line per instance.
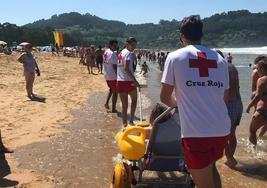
(259, 118)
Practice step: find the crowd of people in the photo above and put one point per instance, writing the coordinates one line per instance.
(92, 57)
(207, 94)
(206, 88)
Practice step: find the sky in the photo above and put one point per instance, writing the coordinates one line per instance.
(130, 12)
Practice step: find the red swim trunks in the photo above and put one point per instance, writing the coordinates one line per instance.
(201, 152)
(112, 84)
(125, 86)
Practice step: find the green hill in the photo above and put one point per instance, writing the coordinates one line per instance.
(232, 29)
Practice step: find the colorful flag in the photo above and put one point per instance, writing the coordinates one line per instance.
(58, 38)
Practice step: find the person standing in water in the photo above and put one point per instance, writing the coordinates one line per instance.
(144, 69)
(229, 58)
(126, 81)
(235, 110)
(191, 72)
(254, 78)
(259, 118)
(110, 73)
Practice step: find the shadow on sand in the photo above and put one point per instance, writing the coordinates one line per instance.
(256, 170)
(119, 115)
(4, 171)
(38, 99)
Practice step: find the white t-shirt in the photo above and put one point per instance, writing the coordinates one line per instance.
(124, 56)
(110, 59)
(200, 76)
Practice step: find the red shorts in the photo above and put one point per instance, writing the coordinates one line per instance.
(112, 84)
(201, 152)
(125, 86)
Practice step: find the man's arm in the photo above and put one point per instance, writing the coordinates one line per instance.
(127, 70)
(166, 95)
(37, 66)
(226, 96)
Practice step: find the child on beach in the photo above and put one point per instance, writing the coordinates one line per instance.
(157, 110)
(259, 118)
(144, 69)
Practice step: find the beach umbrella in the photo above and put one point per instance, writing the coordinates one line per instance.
(24, 44)
(3, 43)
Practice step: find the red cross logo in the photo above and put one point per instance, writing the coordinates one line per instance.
(203, 64)
(119, 58)
(105, 56)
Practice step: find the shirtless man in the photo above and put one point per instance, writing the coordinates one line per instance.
(259, 118)
(235, 110)
(126, 81)
(99, 59)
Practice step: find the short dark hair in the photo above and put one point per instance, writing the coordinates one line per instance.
(262, 64)
(131, 40)
(112, 42)
(157, 110)
(259, 58)
(191, 28)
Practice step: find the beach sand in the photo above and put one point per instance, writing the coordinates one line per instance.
(67, 87)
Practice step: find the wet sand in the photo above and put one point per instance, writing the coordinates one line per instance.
(66, 87)
(81, 157)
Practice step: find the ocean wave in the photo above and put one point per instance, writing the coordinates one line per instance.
(241, 66)
(252, 50)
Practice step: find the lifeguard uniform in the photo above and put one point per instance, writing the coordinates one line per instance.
(200, 77)
(124, 82)
(110, 59)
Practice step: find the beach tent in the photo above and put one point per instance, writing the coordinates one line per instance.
(24, 44)
(3, 43)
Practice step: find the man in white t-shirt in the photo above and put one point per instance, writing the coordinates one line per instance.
(200, 79)
(110, 73)
(126, 81)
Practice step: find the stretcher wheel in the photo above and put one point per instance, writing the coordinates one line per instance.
(120, 177)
